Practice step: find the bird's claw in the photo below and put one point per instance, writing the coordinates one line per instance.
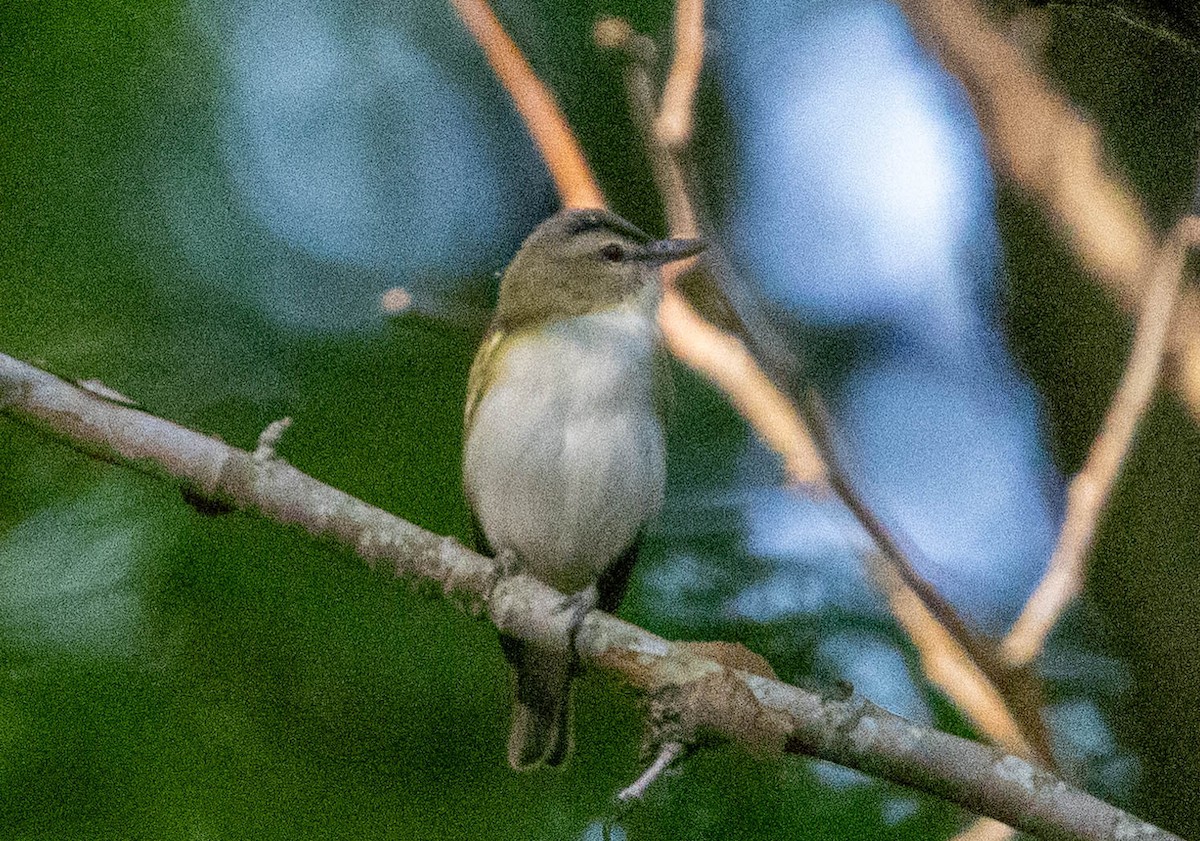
(579, 605)
(508, 563)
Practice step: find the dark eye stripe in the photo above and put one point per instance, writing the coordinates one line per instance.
(590, 220)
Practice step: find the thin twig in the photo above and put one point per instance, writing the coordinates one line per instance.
(616, 34)
(688, 336)
(718, 354)
(726, 362)
(269, 438)
(764, 715)
(1035, 138)
(985, 829)
(537, 106)
(637, 789)
(993, 680)
(673, 127)
(950, 667)
(1019, 688)
(1089, 491)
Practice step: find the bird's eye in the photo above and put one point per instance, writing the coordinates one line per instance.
(612, 253)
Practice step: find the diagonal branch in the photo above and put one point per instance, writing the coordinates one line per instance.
(764, 715)
(699, 344)
(1038, 141)
(1090, 489)
(673, 127)
(536, 104)
(1003, 702)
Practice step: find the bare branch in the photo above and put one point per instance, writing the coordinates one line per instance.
(1019, 689)
(535, 103)
(726, 362)
(764, 715)
(989, 679)
(951, 668)
(1090, 489)
(637, 789)
(1036, 139)
(669, 177)
(673, 128)
(269, 438)
(717, 354)
(985, 829)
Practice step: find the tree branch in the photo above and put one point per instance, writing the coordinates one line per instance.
(767, 716)
(637, 789)
(724, 358)
(673, 127)
(1003, 702)
(1089, 491)
(688, 336)
(1035, 138)
(560, 149)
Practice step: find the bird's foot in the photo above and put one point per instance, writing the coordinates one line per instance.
(508, 563)
(579, 605)
(508, 567)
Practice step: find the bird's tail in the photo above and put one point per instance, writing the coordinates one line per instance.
(541, 727)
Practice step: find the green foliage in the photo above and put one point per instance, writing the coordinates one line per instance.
(165, 674)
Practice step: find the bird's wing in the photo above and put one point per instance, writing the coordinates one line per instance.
(483, 371)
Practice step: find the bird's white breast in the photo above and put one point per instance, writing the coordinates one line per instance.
(564, 462)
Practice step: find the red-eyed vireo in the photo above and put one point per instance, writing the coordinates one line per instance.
(563, 461)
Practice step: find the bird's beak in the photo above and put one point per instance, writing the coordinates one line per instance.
(669, 250)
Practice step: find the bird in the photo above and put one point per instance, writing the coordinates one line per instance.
(564, 458)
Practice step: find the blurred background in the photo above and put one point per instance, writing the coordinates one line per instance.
(203, 204)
